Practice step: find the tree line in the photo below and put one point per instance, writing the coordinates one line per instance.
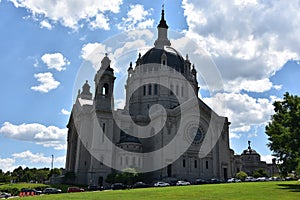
(28, 175)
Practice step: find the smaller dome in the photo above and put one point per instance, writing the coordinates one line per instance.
(249, 151)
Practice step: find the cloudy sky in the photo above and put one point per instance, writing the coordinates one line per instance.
(47, 49)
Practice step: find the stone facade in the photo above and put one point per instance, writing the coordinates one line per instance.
(98, 139)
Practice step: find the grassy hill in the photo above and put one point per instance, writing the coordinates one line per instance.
(288, 190)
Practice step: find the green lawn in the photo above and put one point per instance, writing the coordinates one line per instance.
(243, 191)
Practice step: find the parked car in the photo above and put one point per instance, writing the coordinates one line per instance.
(4, 195)
(233, 180)
(200, 181)
(31, 191)
(161, 184)
(250, 179)
(214, 180)
(75, 189)
(183, 183)
(262, 179)
(118, 186)
(94, 188)
(140, 185)
(51, 191)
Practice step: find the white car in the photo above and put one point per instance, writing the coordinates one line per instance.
(183, 183)
(231, 180)
(4, 195)
(234, 180)
(250, 179)
(161, 184)
(261, 179)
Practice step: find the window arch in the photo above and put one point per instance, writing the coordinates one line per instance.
(104, 89)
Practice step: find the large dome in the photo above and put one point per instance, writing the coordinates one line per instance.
(174, 59)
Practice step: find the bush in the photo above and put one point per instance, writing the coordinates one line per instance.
(241, 175)
(260, 173)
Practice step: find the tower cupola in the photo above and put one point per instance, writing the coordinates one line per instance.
(162, 39)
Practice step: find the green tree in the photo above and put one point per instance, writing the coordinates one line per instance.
(110, 178)
(241, 175)
(284, 132)
(260, 173)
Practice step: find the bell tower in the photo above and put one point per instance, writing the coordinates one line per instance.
(104, 86)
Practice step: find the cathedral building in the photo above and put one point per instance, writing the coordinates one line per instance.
(185, 140)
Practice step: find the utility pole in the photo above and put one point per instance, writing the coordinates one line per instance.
(52, 156)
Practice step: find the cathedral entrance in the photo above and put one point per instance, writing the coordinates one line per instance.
(169, 170)
(100, 181)
(225, 173)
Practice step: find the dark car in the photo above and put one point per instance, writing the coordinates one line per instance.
(94, 188)
(200, 181)
(75, 189)
(118, 186)
(140, 185)
(214, 180)
(29, 191)
(52, 191)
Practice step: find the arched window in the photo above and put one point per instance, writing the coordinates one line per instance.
(149, 89)
(144, 90)
(104, 90)
(155, 89)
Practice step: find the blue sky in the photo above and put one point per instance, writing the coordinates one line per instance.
(45, 57)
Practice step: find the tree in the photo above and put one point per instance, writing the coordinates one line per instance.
(260, 173)
(284, 132)
(241, 175)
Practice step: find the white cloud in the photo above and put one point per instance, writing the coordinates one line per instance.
(244, 112)
(47, 82)
(121, 49)
(234, 135)
(55, 61)
(45, 24)
(238, 85)
(100, 22)
(247, 39)
(136, 18)
(50, 136)
(267, 158)
(277, 87)
(71, 13)
(28, 158)
(65, 112)
(7, 164)
(119, 103)
(94, 53)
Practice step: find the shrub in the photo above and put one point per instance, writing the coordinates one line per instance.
(241, 175)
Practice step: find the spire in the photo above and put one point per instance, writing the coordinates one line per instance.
(162, 27)
(163, 23)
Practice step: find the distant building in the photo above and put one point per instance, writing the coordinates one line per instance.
(249, 161)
